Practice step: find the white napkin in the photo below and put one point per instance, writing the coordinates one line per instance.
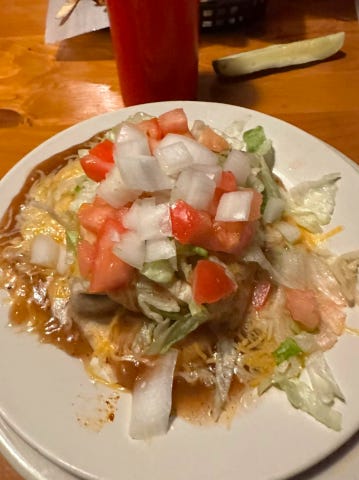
(86, 17)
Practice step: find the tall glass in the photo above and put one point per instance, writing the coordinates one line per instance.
(156, 48)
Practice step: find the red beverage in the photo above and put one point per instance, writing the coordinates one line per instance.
(156, 48)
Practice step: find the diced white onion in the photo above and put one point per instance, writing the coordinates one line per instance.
(158, 223)
(152, 398)
(149, 220)
(129, 142)
(160, 249)
(273, 209)
(195, 188)
(173, 158)
(201, 155)
(214, 172)
(81, 152)
(114, 191)
(138, 209)
(234, 206)
(290, 232)
(131, 249)
(44, 251)
(238, 163)
(143, 172)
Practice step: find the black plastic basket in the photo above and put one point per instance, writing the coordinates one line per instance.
(221, 14)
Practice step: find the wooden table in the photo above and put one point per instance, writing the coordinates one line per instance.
(46, 88)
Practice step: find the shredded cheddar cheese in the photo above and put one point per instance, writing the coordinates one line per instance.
(312, 240)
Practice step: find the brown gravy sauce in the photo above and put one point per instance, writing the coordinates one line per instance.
(46, 167)
(191, 402)
(24, 311)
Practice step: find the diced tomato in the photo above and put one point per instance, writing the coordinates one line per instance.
(92, 216)
(211, 282)
(231, 237)
(190, 225)
(332, 324)
(196, 227)
(227, 183)
(210, 139)
(174, 121)
(260, 294)
(103, 150)
(331, 314)
(99, 161)
(109, 272)
(153, 132)
(303, 307)
(95, 168)
(99, 201)
(255, 212)
(151, 128)
(85, 256)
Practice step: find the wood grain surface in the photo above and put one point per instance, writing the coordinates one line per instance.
(46, 88)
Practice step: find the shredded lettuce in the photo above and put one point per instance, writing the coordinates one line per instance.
(345, 269)
(160, 271)
(323, 379)
(312, 203)
(181, 290)
(144, 337)
(72, 238)
(271, 188)
(303, 397)
(257, 142)
(316, 399)
(233, 134)
(191, 250)
(306, 341)
(254, 182)
(226, 358)
(261, 177)
(286, 349)
(279, 270)
(152, 298)
(290, 266)
(321, 278)
(254, 138)
(178, 330)
(185, 267)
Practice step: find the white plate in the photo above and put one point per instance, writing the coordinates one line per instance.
(43, 389)
(29, 463)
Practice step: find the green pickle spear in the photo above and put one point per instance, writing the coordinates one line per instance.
(278, 56)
